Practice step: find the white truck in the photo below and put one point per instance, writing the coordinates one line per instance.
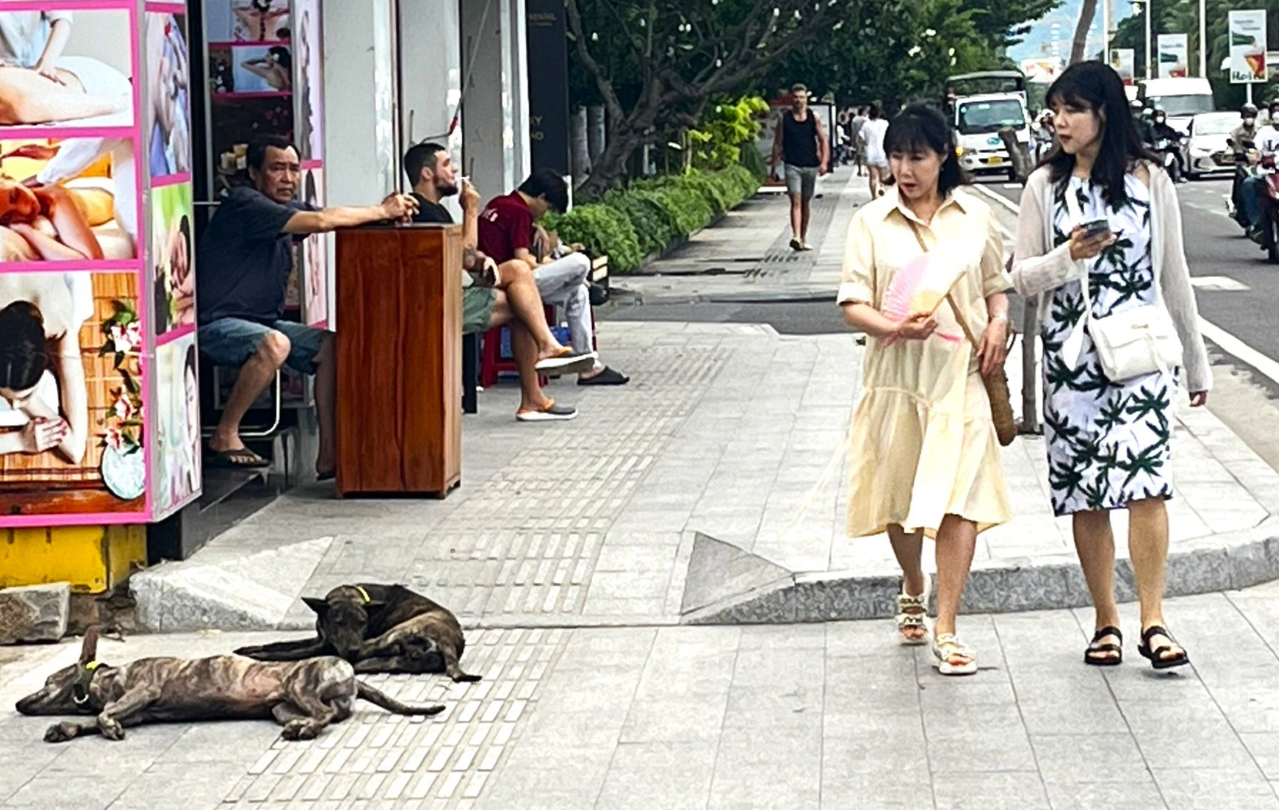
(978, 121)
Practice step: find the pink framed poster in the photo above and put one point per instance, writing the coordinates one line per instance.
(94, 260)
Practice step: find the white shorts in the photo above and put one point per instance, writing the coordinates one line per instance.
(99, 78)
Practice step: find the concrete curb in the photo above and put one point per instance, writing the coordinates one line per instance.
(1219, 563)
(252, 592)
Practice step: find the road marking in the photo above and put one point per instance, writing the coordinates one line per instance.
(1234, 346)
(999, 198)
(1219, 284)
(1227, 342)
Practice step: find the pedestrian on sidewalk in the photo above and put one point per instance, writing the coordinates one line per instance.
(1108, 441)
(923, 452)
(872, 135)
(855, 140)
(802, 144)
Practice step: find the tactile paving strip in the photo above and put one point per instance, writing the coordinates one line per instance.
(381, 761)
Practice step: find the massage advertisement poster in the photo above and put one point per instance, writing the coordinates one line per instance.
(81, 135)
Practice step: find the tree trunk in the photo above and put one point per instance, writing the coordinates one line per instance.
(579, 153)
(1080, 45)
(611, 164)
(595, 130)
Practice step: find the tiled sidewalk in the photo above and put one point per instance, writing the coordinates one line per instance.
(812, 717)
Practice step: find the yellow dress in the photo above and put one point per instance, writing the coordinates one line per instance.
(922, 443)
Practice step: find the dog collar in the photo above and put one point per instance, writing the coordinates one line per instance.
(80, 691)
(363, 594)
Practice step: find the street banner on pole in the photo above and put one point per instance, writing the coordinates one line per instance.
(1174, 55)
(1247, 46)
(1124, 61)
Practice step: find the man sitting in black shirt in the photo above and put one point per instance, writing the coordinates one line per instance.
(245, 257)
(503, 295)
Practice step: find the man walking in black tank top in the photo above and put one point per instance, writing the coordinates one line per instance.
(801, 142)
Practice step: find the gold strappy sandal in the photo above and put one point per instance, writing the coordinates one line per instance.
(912, 616)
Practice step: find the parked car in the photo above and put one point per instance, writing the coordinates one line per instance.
(1206, 150)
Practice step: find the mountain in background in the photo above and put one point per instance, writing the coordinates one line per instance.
(1039, 42)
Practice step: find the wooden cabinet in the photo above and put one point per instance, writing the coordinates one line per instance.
(399, 349)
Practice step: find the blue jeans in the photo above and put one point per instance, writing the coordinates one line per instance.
(1250, 194)
(230, 342)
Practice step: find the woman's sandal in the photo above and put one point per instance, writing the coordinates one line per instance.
(1108, 654)
(912, 617)
(1156, 656)
(951, 657)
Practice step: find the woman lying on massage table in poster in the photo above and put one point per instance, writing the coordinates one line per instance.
(49, 221)
(38, 85)
(40, 360)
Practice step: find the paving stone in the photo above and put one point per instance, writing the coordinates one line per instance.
(1212, 789)
(34, 612)
(1140, 794)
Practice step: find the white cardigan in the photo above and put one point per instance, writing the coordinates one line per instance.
(1039, 268)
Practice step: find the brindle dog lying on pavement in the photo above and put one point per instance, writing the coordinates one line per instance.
(304, 697)
(378, 628)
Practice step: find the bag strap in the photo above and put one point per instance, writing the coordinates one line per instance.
(963, 322)
(1076, 219)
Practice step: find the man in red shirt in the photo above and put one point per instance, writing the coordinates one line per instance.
(506, 233)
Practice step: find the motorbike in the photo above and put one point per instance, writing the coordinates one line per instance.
(1169, 149)
(1270, 208)
(1245, 167)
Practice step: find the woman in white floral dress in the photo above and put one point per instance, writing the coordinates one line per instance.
(1109, 442)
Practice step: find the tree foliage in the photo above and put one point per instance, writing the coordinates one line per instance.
(655, 64)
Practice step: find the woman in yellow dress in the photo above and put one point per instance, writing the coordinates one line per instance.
(923, 454)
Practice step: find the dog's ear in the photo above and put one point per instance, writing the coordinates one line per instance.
(89, 648)
(320, 606)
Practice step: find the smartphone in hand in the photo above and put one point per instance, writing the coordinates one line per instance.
(1096, 227)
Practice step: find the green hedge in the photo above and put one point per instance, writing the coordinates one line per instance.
(602, 230)
(648, 217)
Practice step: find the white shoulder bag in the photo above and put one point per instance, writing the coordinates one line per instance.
(1132, 343)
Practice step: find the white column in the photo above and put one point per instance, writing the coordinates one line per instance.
(361, 151)
(495, 145)
(430, 44)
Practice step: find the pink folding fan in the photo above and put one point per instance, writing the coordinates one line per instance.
(919, 288)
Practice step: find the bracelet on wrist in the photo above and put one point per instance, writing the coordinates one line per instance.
(999, 317)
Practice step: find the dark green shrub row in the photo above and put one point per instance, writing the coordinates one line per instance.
(629, 224)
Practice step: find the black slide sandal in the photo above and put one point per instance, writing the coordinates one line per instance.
(1156, 656)
(239, 459)
(1094, 655)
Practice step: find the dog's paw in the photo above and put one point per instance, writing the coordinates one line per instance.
(300, 730)
(60, 732)
(111, 729)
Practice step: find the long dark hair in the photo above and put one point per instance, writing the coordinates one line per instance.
(1096, 86)
(920, 127)
(23, 359)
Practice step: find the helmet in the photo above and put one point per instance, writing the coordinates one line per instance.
(1248, 109)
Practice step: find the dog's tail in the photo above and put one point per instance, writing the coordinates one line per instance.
(389, 703)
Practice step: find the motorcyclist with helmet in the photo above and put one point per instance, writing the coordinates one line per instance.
(1242, 142)
(1162, 133)
(1252, 193)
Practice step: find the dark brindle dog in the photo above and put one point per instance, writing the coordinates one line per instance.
(304, 697)
(378, 628)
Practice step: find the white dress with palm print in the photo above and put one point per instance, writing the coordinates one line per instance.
(1108, 442)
